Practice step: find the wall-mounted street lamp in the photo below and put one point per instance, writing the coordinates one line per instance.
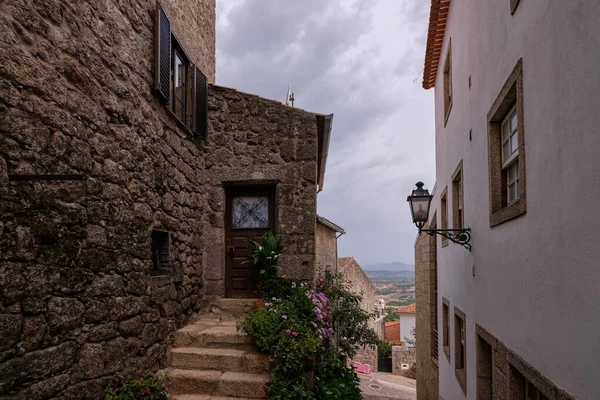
(420, 200)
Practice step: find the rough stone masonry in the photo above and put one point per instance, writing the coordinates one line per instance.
(78, 299)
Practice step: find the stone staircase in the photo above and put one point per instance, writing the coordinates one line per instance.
(211, 360)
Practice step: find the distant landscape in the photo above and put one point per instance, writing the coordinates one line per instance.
(393, 266)
(394, 282)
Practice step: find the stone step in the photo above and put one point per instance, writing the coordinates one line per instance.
(222, 359)
(216, 383)
(235, 306)
(200, 335)
(206, 397)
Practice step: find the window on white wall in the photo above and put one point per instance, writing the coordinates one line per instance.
(506, 151)
(510, 154)
(448, 95)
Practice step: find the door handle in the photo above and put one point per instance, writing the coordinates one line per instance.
(231, 249)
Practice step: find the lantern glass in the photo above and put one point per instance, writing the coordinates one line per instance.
(420, 208)
(420, 200)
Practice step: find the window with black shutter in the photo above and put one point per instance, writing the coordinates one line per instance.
(163, 55)
(201, 104)
(161, 260)
(180, 69)
(181, 86)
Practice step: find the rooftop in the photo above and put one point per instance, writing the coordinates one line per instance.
(392, 332)
(334, 227)
(409, 309)
(438, 16)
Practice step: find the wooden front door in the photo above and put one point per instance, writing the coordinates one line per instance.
(249, 214)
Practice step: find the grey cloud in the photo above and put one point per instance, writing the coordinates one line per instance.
(356, 59)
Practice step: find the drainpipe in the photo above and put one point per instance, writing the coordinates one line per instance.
(337, 277)
(337, 270)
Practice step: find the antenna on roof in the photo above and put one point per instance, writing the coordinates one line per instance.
(290, 96)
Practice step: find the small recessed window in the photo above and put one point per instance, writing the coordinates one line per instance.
(444, 215)
(161, 259)
(460, 348)
(448, 96)
(446, 327)
(506, 141)
(460, 343)
(458, 217)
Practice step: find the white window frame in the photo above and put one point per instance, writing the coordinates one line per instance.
(510, 161)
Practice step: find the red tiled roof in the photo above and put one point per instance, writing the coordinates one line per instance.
(409, 309)
(435, 38)
(392, 332)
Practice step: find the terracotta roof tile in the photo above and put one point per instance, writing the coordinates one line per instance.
(438, 16)
(409, 309)
(392, 332)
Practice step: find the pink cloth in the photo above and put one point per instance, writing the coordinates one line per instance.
(362, 368)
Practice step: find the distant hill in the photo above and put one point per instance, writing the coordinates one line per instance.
(390, 276)
(394, 266)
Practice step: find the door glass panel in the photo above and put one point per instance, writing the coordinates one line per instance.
(250, 212)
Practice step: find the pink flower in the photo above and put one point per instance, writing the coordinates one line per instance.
(116, 389)
(294, 334)
(141, 378)
(169, 383)
(287, 331)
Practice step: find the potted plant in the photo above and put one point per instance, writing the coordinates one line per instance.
(264, 257)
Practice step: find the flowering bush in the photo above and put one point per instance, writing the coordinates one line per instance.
(351, 321)
(140, 385)
(298, 331)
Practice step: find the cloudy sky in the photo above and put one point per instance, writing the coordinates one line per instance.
(357, 59)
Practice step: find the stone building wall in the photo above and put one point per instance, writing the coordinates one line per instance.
(325, 247)
(254, 140)
(193, 23)
(367, 355)
(358, 282)
(78, 297)
(425, 296)
(404, 362)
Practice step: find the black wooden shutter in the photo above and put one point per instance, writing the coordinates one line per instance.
(163, 54)
(200, 104)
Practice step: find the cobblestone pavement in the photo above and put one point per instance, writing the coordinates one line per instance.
(383, 386)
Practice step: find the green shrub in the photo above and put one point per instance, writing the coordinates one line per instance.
(139, 385)
(334, 380)
(278, 287)
(384, 349)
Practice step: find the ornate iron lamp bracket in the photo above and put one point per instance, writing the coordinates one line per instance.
(459, 236)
